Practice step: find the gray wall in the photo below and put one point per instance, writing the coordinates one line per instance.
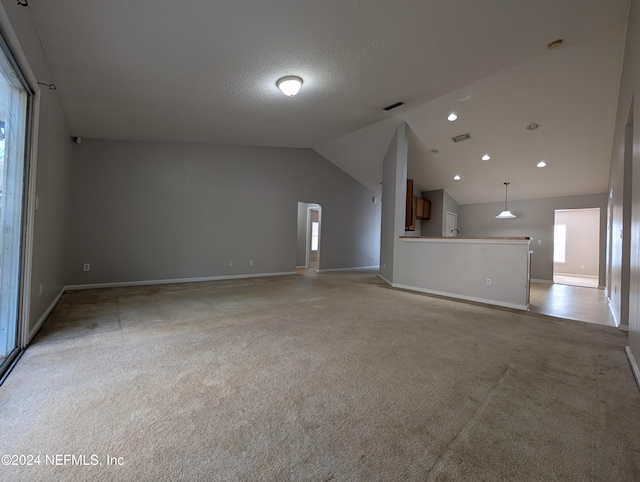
(629, 198)
(301, 244)
(52, 175)
(146, 211)
(535, 218)
(433, 225)
(582, 243)
(441, 202)
(394, 189)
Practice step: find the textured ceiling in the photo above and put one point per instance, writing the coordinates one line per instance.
(203, 71)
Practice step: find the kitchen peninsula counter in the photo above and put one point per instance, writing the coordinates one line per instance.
(493, 270)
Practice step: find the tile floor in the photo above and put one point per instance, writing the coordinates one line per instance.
(572, 302)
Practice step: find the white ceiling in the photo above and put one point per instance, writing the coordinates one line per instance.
(204, 71)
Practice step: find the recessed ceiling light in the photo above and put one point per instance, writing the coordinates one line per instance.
(452, 117)
(486, 157)
(290, 85)
(541, 164)
(456, 177)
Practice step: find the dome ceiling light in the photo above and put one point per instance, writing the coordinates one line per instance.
(289, 85)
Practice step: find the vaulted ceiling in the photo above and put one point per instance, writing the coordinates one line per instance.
(204, 71)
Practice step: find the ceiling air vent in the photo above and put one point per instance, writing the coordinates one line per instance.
(461, 137)
(393, 106)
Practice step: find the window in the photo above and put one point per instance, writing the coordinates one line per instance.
(559, 243)
(14, 100)
(314, 236)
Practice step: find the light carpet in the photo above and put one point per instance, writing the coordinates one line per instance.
(328, 377)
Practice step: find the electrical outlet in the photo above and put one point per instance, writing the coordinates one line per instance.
(539, 241)
(86, 267)
(250, 262)
(230, 263)
(488, 281)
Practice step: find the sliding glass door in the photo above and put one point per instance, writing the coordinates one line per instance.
(14, 100)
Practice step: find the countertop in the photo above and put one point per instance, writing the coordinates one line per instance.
(522, 238)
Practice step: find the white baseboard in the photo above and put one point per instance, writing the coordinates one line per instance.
(385, 279)
(623, 328)
(634, 365)
(550, 282)
(355, 268)
(504, 304)
(577, 274)
(44, 316)
(172, 281)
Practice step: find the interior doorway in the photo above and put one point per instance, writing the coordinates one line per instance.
(576, 247)
(313, 236)
(451, 225)
(309, 235)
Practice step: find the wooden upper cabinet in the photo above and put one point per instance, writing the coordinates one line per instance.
(410, 208)
(416, 208)
(423, 208)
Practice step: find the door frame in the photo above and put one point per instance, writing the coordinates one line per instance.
(447, 213)
(307, 249)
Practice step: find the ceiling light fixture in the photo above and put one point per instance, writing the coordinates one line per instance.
(541, 164)
(533, 126)
(452, 117)
(289, 85)
(486, 157)
(457, 177)
(506, 214)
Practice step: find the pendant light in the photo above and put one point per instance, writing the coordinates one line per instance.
(506, 214)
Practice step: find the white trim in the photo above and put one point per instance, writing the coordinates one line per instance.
(172, 281)
(634, 365)
(355, 268)
(44, 316)
(385, 279)
(623, 328)
(576, 275)
(549, 282)
(614, 314)
(505, 304)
